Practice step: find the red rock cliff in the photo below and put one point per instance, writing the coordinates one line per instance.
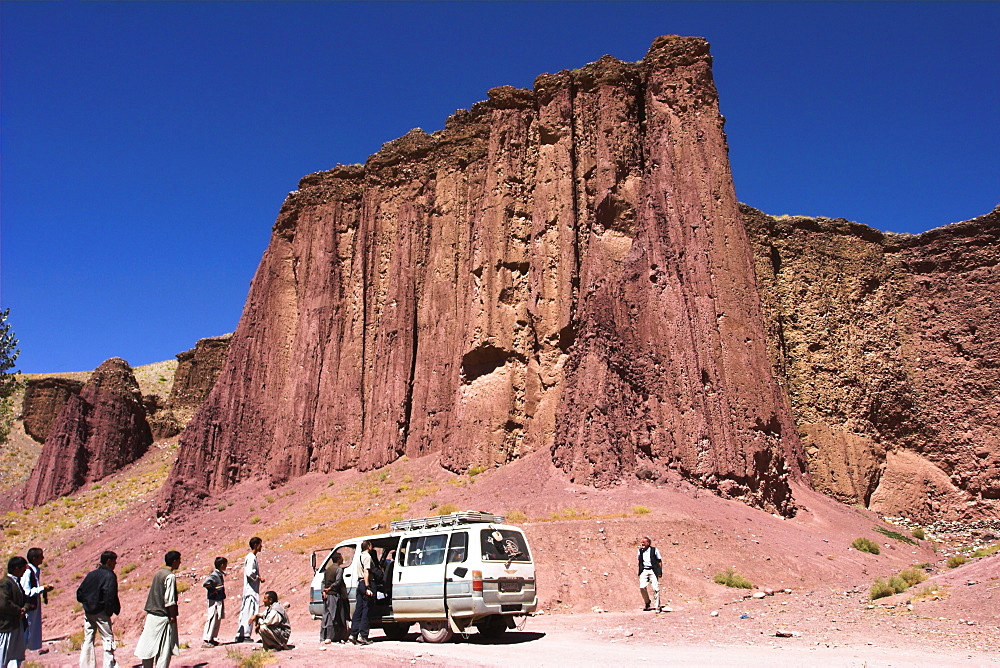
(97, 432)
(563, 268)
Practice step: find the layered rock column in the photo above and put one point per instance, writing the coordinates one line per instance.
(560, 269)
(97, 432)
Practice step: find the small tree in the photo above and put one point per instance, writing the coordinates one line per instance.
(8, 381)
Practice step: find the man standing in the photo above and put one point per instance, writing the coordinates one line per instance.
(335, 605)
(650, 570)
(31, 583)
(12, 614)
(216, 586)
(360, 623)
(251, 589)
(98, 594)
(158, 642)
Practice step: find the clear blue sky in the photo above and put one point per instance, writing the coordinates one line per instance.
(146, 148)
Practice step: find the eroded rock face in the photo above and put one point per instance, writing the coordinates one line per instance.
(889, 344)
(197, 370)
(44, 398)
(96, 433)
(563, 268)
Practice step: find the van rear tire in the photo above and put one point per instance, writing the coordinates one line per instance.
(492, 627)
(436, 632)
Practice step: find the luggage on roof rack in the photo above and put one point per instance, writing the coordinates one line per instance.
(465, 517)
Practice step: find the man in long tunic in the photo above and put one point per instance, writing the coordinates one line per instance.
(35, 591)
(216, 586)
(12, 613)
(158, 642)
(251, 589)
(272, 623)
(336, 609)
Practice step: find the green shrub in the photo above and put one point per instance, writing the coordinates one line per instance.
(986, 551)
(880, 589)
(866, 545)
(898, 584)
(913, 576)
(640, 510)
(956, 561)
(128, 568)
(731, 578)
(255, 519)
(895, 535)
(919, 534)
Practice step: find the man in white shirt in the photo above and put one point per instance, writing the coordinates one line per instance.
(251, 589)
(650, 570)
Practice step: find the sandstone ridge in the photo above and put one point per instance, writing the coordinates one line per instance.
(562, 269)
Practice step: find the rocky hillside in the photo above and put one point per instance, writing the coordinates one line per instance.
(563, 269)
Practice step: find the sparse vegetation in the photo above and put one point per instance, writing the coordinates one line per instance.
(866, 545)
(640, 510)
(895, 535)
(476, 470)
(897, 584)
(183, 586)
(957, 560)
(731, 578)
(447, 509)
(986, 551)
(919, 534)
(75, 641)
(255, 659)
(255, 519)
(880, 589)
(128, 568)
(913, 576)
(516, 517)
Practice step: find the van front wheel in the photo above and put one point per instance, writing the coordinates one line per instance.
(435, 631)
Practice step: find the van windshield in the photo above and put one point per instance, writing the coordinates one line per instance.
(504, 545)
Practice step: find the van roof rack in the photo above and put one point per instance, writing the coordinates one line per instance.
(465, 517)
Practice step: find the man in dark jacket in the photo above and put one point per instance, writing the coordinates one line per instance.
(650, 570)
(98, 594)
(13, 613)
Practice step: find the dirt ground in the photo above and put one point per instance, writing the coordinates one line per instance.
(861, 637)
(584, 545)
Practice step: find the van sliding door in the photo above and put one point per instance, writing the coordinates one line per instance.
(418, 578)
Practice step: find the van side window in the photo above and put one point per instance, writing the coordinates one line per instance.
(458, 549)
(347, 552)
(426, 550)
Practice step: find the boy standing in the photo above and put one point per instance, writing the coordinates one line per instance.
(216, 586)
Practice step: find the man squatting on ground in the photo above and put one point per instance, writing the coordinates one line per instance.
(650, 569)
(36, 593)
(158, 642)
(98, 594)
(12, 614)
(216, 586)
(251, 589)
(272, 623)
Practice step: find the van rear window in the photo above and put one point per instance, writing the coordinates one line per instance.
(504, 544)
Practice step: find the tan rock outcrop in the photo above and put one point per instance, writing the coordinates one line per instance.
(44, 398)
(888, 343)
